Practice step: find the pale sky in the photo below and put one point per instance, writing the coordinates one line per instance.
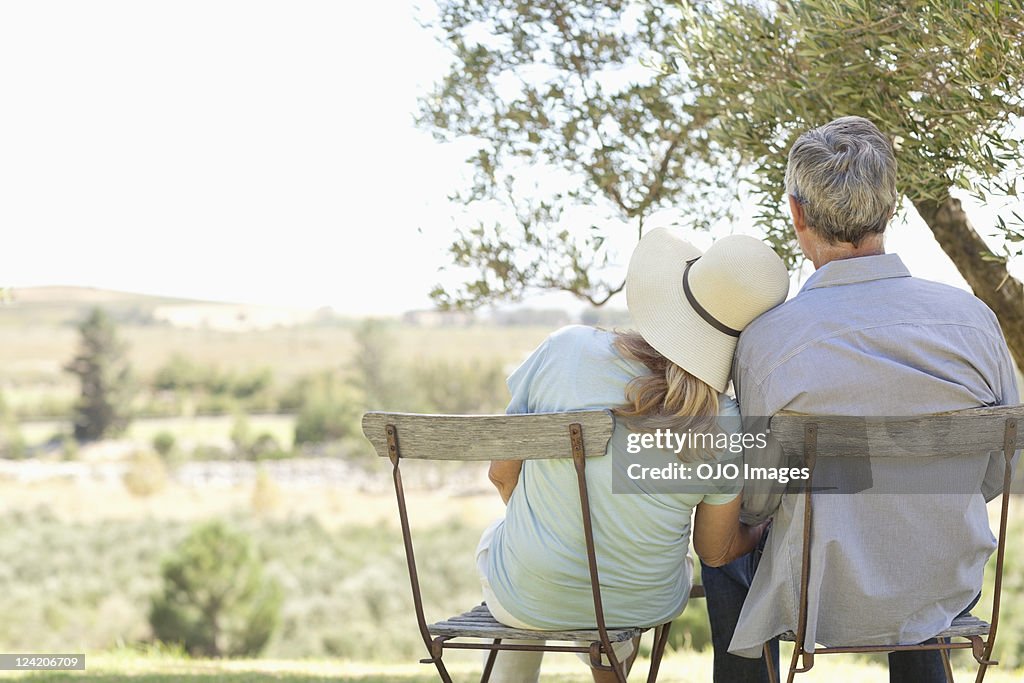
(247, 151)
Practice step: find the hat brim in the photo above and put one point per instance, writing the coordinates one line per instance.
(662, 315)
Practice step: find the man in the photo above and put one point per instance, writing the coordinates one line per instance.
(862, 337)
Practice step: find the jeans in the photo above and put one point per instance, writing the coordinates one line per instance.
(726, 588)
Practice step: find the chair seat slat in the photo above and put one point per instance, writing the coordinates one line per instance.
(967, 625)
(480, 623)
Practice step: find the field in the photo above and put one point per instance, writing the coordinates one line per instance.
(81, 552)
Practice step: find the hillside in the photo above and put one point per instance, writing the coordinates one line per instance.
(67, 305)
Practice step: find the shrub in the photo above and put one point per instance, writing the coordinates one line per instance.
(12, 443)
(266, 494)
(241, 435)
(68, 447)
(180, 373)
(164, 444)
(463, 387)
(267, 447)
(328, 408)
(215, 600)
(146, 475)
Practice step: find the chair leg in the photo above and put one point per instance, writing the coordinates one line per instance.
(631, 660)
(768, 661)
(658, 650)
(489, 665)
(442, 671)
(946, 666)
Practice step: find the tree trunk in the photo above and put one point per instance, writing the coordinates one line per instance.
(991, 283)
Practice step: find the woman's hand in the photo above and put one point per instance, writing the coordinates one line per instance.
(504, 474)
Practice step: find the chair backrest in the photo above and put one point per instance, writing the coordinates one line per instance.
(489, 437)
(576, 435)
(974, 430)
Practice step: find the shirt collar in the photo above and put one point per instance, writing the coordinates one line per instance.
(853, 270)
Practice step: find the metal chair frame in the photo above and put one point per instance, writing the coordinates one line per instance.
(803, 659)
(436, 645)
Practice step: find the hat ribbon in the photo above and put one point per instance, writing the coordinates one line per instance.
(701, 311)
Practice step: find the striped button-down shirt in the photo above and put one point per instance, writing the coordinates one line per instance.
(863, 337)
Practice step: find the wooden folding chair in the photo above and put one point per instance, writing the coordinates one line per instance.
(578, 435)
(941, 434)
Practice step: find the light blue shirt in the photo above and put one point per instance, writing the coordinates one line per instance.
(864, 338)
(538, 560)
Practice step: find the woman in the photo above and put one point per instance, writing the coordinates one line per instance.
(688, 310)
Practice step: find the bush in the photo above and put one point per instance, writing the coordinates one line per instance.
(12, 443)
(328, 408)
(68, 446)
(164, 444)
(267, 447)
(266, 494)
(216, 601)
(474, 387)
(146, 475)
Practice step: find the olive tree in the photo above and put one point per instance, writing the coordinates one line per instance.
(569, 91)
(944, 79)
(638, 106)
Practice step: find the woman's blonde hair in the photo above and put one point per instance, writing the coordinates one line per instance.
(668, 397)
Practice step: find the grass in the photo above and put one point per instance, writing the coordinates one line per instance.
(688, 667)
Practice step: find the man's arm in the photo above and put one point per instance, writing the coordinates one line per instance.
(993, 484)
(761, 498)
(504, 474)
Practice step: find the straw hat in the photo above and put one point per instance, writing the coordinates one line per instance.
(691, 307)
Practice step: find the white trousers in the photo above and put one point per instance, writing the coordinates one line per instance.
(521, 667)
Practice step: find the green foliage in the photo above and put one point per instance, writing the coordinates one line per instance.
(12, 443)
(559, 91)
(942, 78)
(620, 108)
(461, 388)
(1010, 641)
(691, 630)
(164, 444)
(329, 408)
(104, 377)
(241, 434)
(215, 599)
(376, 370)
(214, 390)
(68, 446)
(92, 583)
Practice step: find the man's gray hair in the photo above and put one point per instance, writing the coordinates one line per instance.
(843, 174)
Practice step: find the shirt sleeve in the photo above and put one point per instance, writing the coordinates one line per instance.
(762, 499)
(729, 422)
(521, 381)
(992, 486)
